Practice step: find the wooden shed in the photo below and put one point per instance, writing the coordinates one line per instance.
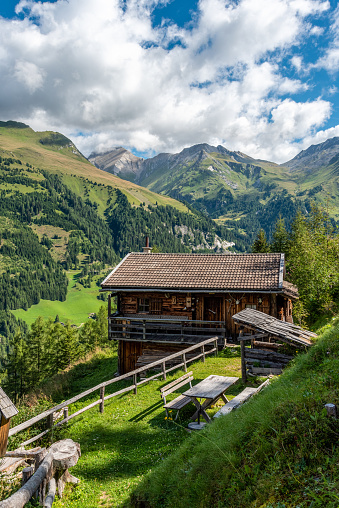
(166, 302)
(267, 336)
(7, 411)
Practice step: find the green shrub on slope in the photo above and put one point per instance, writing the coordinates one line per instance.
(278, 450)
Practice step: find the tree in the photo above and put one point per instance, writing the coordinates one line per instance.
(313, 263)
(280, 242)
(261, 244)
(17, 366)
(37, 351)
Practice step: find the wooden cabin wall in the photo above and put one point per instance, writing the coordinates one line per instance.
(171, 304)
(128, 354)
(231, 307)
(176, 305)
(129, 351)
(4, 429)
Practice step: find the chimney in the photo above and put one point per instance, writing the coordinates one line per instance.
(147, 249)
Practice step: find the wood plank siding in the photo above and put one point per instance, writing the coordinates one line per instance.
(205, 307)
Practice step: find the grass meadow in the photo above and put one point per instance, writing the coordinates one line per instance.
(131, 437)
(80, 302)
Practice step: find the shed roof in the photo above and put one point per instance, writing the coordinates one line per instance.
(200, 272)
(7, 407)
(264, 323)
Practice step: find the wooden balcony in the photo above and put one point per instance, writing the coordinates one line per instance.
(166, 329)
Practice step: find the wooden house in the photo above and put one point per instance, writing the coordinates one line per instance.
(7, 411)
(166, 302)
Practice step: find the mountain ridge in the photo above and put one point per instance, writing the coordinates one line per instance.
(215, 180)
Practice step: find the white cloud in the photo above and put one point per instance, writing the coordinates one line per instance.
(330, 60)
(89, 66)
(29, 74)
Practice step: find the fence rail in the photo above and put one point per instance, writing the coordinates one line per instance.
(142, 328)
(48, 414)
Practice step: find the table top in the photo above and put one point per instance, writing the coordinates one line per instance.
(211, 387)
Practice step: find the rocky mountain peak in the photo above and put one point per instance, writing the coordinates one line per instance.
(315, 156)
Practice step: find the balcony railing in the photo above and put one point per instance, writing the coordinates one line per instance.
(165, 328)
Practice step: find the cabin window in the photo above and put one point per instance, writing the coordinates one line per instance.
(155, 306)
(250, 306)
(143, 304)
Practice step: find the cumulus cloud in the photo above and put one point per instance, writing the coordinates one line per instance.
(101, 73)
(330, 60)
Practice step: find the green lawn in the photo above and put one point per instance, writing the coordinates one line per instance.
(80, 302)
(131, 437)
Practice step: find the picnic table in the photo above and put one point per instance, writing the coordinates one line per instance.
(211, 389)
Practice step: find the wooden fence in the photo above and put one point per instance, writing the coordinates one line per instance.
(139, 328)
(213, 341)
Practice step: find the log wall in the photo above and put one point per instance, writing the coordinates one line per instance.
(196, 306)
(4, 429)
(129, 352)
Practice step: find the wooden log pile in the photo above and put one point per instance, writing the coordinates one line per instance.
(48, 476)
(264, 361)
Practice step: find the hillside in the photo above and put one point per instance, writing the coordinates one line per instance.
(235, 189)
(55, 153)
(278, 450)
(59, 213)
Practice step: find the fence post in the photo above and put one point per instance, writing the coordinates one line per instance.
(216, 347)
(184, 361)
(135, 384)
(164, 369)
(26, 474)
(203, 353)
(49, 421)
(65, 413)
(102, 397)
(39, 457)
(331, 410)
(243, 362)
(144, 329)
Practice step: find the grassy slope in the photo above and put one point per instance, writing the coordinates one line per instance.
(120, 446)
(24, 144)
(80, 302)
(278, 450)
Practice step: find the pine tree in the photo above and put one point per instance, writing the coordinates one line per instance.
(68, 346)
(17, 366)
(280, 242)
(261, 244)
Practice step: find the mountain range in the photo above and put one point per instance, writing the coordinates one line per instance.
(227, 184)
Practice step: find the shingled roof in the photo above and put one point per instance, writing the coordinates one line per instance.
(263, 323)
(7, 407)
(200, 272)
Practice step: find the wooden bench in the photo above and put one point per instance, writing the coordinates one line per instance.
(239, 399)
(180, 401)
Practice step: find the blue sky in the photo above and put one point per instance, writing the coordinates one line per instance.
(155, 76)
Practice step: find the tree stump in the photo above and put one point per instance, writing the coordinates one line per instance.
(66, 454)
(60, 456)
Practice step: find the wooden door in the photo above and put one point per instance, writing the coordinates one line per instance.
(213, 308)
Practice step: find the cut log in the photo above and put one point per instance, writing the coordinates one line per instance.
(262, 371)
(66, 453)
(60, 456)
(51, 493)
